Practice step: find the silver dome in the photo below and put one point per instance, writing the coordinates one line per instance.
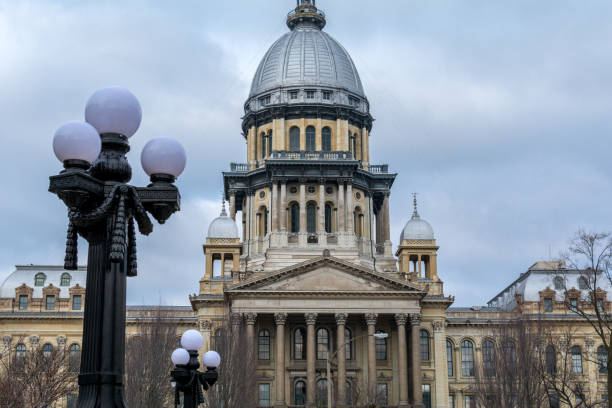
(417, 228)
(223, 227)
(306, 56)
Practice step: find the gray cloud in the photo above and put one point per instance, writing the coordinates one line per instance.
(496, 112)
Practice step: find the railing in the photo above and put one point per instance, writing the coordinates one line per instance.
(308, 155)
(239, 167)
(379, 168)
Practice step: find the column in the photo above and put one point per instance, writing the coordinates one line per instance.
(311, 319)
(280, 319)
(419, 276)
(274, 206)
(400, 320)
(440, 364)
(350, 218)
(386, 225)
(251, 319)
(246, 212)
(417, 393)
(340, 206)
(303, 206)
(283, 206)
(206, 329)
(370, 319)
(232, 204)
(340, 325)
(321, 227)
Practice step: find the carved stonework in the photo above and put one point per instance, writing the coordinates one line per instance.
(251, 318)
(311, 318)
(205, 325)
(236, 319)
(34, 340)
(415, 319)
(371, 318)
(401, 319)
(61, 341)
(589, 343)
(6, 341)
(280, 318)
(438, 326)
(341, 318)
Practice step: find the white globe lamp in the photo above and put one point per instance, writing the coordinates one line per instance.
(192, 340)
(180, 356)
(114, 110)
(163, 156)
(77, 141)
(211, 359)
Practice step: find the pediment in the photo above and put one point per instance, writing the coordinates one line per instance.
(325, 274)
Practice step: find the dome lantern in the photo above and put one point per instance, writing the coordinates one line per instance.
(306, 14)
(417, 228)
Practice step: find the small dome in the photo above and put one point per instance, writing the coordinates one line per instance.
(223, 227)
(417, 228)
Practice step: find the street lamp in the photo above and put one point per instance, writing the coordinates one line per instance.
(185, 377)
(102, 208)
(377, 335)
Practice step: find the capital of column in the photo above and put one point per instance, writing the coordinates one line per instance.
(205, 325)
(6, 341)
(34, 340)
(401, 319)
(371, 318)
(311, 318)
(415, 319)
(341, 318)
(251, 318)
(280, 318)
(438, 326)
(61, 341)
(236, 319)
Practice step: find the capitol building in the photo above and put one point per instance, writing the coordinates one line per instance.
(312, 270)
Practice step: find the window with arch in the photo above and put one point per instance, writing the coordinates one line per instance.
(270, 138)
(488, 358)
(311, 218)
(321, 394)
(299, 392)
(602, 360)
(47, 350)
(576, 360)
(348, 343)
(20, 352)
(358, 222)
(263, 345)
(294, 139)
(294, 218)
(352, 147)
(424, 343)
(65, 279)
(551, 360)
(380, 345)
(262, 221)
(299, 343)
(559, 283)
(74, 357)
(39, 279)
(322, 344)
(449, 358)
(326, 140)
(510, 354)
(328, 218)
(263, 145)
(311, 139)
(467, 358)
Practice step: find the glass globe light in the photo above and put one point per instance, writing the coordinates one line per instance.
(192, 340)
(180, 356)
(77, 140)
(114, 110)
(211, 359)
(163, 155)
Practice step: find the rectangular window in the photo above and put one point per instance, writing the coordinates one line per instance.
(327, 95)
(600, 306)
(264, 395)
(293, 94)
(76, 302)
(265, 100)
(23, 302)
(548, 305)
(426, 395)
(310, 94)
(574, 304)
(382, 394)
(451, 401)
(469, 402)
(50, 302)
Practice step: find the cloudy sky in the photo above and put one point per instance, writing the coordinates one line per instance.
(497, 112)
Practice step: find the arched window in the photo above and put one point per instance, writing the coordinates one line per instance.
(294, 139)
(488, 358)
(269, 151)
(311, 218)
(322, 344)
(322, 392)
(559, 283)
(510, 354)
(328, 218)
(326, 142)
(576, 360)
(39, 279)
(294, 213)
(310, 139)
(381, 348)
(299, 393)
(262, 221)
(65, 280)
(355, 146)
(551, 360)
(424, 345)
(352, 147)
(263, 146)
(74, 357)
(299, 341)
(263, 345)
(449, 358)
(348, 343)
(47, 350)
(20, 352)
(467, 358)
(602, 360)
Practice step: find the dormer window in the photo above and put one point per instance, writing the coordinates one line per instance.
(548, 305)
(559, 284)
(327, 95)
(65, 280)
(39, 279)
(310, 94)
(293, 95)
(265, 100)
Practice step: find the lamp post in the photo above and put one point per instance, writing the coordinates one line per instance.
(377, 335)
(185, 377)
(102, 208)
